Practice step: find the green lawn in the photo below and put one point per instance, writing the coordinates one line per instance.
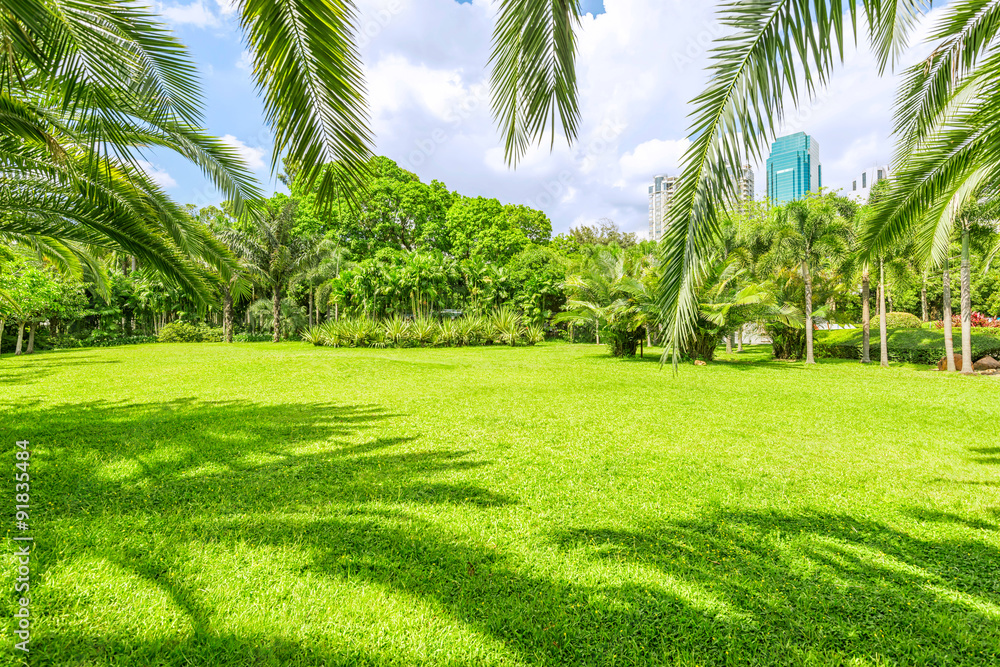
(289, 505)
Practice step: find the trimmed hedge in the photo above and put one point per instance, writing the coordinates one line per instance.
(914, 346)
(182, 332)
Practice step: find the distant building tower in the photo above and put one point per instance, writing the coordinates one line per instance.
(746, 184)
(861, 188)
(793, 168)
(661, 193)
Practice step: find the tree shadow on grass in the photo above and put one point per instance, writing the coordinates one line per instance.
(936, 516)
(726, 588)
(987, 455)
(117, 458)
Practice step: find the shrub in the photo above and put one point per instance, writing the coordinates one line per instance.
(902, 321)
(534, 334)
(397, 331)
(313, 335)
(914, 346)
(979, 321)
(425, 331)
(252, 338)
(447, 333)
(506, 326)
(179, 332)
(184, 332)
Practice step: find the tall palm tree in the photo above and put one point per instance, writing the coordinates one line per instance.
(947, 119)
(271, 252)
(805, 232)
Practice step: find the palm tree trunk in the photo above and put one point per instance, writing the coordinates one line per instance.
(949, 342)
(310, 308)
(729, 344)
(31, 339)
(866, 317)
(597, 330)
(924, 315)
(883, 335)
(739, 340)
(807, 277)
(966, 304)
(227, 314)
(276, 312)
(2, 323)
(20, 338)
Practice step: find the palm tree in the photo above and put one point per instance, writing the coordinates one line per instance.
(270, 251)
(85, 90)
(944, 146)
(805, 232)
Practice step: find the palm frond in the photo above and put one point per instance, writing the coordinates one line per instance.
(534, 72)
(307, 66)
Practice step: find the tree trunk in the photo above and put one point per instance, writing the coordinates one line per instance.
(729, 344)
(649, 338)
(924, 314)
(2, 323)
(739, 340)
(966, 304)
(31, 339)
(227, 314)
(949, 342)
(883, 336)
(597, 330)
(807, 277)
(277, 314)
(310, 308)
(866, 317)
(20, 338)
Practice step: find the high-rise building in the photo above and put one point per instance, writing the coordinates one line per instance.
(661, 193)
(861, 187)
(745, 184)
(793, 169)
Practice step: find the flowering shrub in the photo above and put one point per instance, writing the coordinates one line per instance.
(979, 321)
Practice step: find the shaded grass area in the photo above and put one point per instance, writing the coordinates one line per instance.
(289, 505)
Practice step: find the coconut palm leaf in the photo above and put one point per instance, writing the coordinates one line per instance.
(776, 51)
(534, 72)
(306, 64)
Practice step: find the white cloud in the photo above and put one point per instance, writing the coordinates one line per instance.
(159, 175)
(245, 62)
(640, 64)
(226, 7)
(252, 156)
(195, 14)
(653, 157)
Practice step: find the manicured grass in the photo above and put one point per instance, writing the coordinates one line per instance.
(289, 505)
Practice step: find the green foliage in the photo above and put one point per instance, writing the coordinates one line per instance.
(915, 346)
(902, 321)
(503, 326)
(183, 332)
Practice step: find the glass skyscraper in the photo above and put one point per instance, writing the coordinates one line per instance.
(793, 168)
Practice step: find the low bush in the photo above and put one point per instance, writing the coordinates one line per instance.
(902, 321)
(502, 327)
(979, 321)
(184, 332)
(915, 346)
(252, 338)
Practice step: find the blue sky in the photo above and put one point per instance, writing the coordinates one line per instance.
(640, 63)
